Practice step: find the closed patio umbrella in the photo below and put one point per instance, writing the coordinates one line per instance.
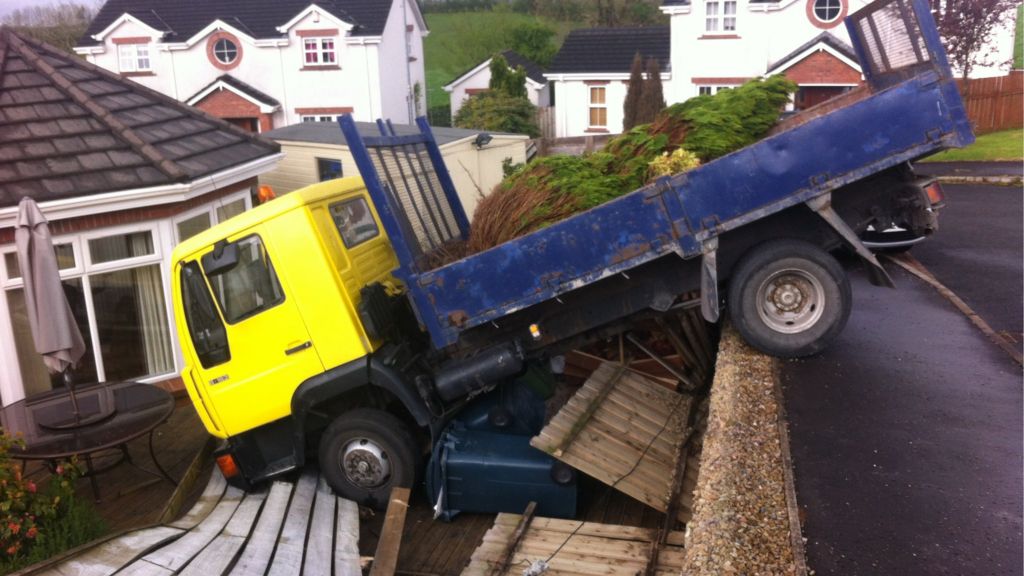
(54, 330)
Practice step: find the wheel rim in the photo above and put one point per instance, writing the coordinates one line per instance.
(790, 301)
(365, 463)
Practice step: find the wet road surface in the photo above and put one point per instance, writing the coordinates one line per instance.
(907, 433)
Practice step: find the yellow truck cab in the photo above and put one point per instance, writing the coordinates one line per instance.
(267, 308)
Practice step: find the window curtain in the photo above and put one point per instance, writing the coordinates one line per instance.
(151, 312)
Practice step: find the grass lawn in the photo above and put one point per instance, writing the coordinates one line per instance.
(461, 40)
(1005, 145)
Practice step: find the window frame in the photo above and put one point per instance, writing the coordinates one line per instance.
(234, 50)
(838, 10)
(134, 57)
(84, 269)
(315, 118)
(592, 106)
(320, 172)
(719, 19)
(211, 209)
(369, 211)
(256, 311)
(213, 304)
(319, 51)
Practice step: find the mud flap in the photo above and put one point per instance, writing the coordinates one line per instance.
(709, 280)
(823, 206)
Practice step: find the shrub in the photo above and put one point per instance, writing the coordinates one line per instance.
(40, 520)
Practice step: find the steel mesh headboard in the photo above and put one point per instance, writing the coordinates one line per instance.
(891, 40)
(410, 186)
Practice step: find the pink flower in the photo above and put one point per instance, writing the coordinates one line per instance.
(32, 532)
(31, 486)
(60, 469)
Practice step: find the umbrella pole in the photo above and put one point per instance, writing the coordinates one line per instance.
(71, 392)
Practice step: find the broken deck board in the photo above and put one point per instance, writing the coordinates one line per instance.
(573, 547)
(229, 531)
(630, 440)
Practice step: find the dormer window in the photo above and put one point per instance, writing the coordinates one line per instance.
(720, 16)
(319, 51)
(134, 58)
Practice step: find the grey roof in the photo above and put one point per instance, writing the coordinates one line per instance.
(610, 50)
(70, 129)
(241, 87)
(533, 70)
(182, 19)
(823, 38)
(330, 132)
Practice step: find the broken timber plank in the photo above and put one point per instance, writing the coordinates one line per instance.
(207, 501)
(321, 532)
(292, 542)
(577, 548)
(627, 434)
(112, 555)
(346, 547)
(221, 552)
(177, 554)
(386, 557)
(513, 543)
(260, 547)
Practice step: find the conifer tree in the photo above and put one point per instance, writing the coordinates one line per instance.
(652, 99)
(633, 93)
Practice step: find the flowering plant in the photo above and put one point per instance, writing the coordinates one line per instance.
(25, 506)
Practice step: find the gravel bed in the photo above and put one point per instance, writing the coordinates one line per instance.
(741, 522)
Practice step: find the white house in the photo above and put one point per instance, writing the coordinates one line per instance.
(266, 64)
(708, 45)
(123, 174)
(318, 151)
(478, 78)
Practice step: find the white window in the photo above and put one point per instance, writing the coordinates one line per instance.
(720, 16)
(827, 11)
(193, 222)
(114, 283)
(134, 58)
(225, 51)
(708, 90)
(318, 52)
(598, 107)
(317, 118)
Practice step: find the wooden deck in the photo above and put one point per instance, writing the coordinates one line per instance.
(285, 528)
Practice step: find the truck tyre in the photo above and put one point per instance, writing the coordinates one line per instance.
(789, 298)
(365, 453)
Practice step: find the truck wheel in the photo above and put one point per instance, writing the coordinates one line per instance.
(789, 298)
(364, 453)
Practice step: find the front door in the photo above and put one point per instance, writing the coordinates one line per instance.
(250, 339)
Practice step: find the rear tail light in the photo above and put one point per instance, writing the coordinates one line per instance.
(228, 468)
(935, 196)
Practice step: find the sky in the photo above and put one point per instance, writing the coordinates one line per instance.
(8, 6)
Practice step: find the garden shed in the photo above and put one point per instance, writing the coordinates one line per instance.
(317, 151)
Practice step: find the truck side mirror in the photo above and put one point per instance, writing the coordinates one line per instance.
(223, 258)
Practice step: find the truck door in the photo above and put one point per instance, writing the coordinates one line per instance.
(255, 349)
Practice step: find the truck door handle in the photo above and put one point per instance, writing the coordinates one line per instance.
(298, 348)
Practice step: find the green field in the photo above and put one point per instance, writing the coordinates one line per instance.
(1005, 145)
(458, 41)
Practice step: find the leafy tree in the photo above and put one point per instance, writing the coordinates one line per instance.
(512, 83)
(58, 24)
(652, 98)
(966, 27)
(497, 111)
(534, 41)
(633, 93)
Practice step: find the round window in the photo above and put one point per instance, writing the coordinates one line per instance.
(225, 51)
(827, 10)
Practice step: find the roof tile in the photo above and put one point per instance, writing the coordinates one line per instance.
(51, 147)
(611, 50)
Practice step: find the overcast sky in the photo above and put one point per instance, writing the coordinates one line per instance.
(8, 6)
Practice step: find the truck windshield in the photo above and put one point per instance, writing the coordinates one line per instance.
(204, 325)
(249, 287)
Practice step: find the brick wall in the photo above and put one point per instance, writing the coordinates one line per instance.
(94, 221)
(822, 68)
(227, 104)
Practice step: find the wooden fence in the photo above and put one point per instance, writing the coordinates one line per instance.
(546, 121)
(995, 103)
